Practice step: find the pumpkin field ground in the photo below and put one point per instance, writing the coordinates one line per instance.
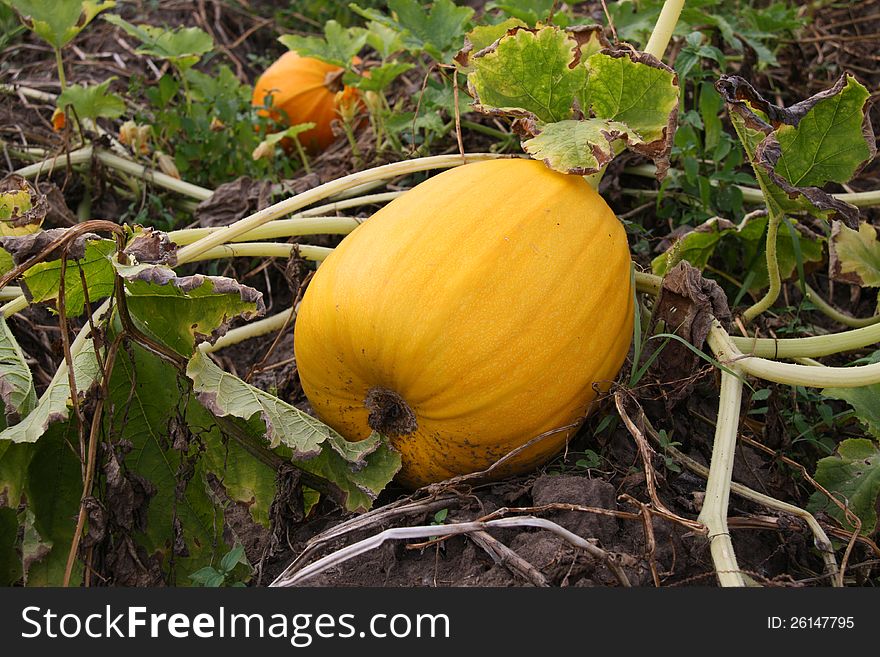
(640, 506)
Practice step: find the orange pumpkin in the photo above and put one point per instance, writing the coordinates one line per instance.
(304, 90)
(474, 313)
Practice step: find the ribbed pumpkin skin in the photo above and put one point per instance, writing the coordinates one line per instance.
(297, 85)
(490, 297)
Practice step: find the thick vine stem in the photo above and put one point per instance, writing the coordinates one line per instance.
(250, 330)
(346, 203)
(796, 375)
(294, 227)
(664, 28)
(809, 347)
(85, 154)
(648, 283)
(10, 292)
(264, 250)
(772, 271)
(290, 205)
(714, 512)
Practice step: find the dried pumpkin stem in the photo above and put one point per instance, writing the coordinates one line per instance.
(611, 560)
(390, 415)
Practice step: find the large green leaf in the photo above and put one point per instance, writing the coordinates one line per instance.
(54, 490)
(43, 280)
(531, 72)
(827, 143)
(59, 21)
(797, 150)
(853, 477)
(17, 391)
(579, 101)
(183, 526)
(359, 469)
(855, 254)
(634, 91)
(180, 311)
(53, 405)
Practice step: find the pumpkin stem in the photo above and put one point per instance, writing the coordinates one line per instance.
(390, 415)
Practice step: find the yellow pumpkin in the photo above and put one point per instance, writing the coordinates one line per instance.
(468, 316)
(307, 90)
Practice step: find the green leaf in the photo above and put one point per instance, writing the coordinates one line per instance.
(853, 477)
(93, 102)
(865, 401)
(743, 243)
(360, 469)
(52, 407)
(54, 490)
(225, 394)
(796, 150)
(359, 487)
(379, 78)
(147, 401)
(855, 254)
(528, 73)
(16, 384)
(183, 47)
(436, 31)
(637, 91)
(339, 45)
(695, 246)
(383, 39)
(247, 481)
(182, 311)
(205, 575)
(827, 143)
(483, 36)
(43, 280)
(232, 558)
(59, 21)
(578, 147)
